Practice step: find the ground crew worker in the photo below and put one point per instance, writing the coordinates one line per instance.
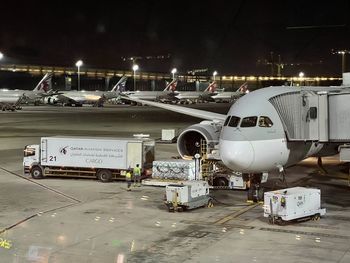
(128, 179)
(137, 175)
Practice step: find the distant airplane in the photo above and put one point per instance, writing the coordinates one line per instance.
(270, 129)
(78, 98)
(11, 99)
(194, 96)
(231, 95)
(168, 94)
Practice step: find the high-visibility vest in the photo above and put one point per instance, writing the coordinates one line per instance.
(128, 175)
(137, 171)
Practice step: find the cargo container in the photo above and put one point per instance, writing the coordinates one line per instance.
(102, 158)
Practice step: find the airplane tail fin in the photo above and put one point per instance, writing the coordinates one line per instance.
(120, 86)
(44, 84)
(211, 87)
(243, 88)
(171, 86)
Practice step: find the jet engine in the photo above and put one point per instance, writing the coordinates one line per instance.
(189, 140)
(52, 100)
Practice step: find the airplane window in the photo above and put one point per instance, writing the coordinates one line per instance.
(249, 122)
(265, 121)
(234, 121)
(227, 120)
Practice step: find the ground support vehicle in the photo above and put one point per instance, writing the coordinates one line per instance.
(187, 195)
(89, 157)
(297, 203)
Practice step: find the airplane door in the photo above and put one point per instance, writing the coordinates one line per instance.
(312, 118)
(316, 125)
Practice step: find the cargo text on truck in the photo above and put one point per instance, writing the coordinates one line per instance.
(102, 158)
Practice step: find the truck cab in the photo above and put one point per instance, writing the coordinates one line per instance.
(31, 156)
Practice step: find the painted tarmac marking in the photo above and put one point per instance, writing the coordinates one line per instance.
(42, 212)
(303, 233)
(235, 214)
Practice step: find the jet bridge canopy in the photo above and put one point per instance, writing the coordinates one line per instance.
(314, 115)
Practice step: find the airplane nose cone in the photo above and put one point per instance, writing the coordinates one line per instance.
(237, 155)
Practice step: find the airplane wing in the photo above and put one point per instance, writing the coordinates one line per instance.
(202, 114)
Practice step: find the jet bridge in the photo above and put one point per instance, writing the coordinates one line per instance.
(315, 115)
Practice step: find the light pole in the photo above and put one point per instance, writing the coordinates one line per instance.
(173, 71)
(343, 57)
(214, 74)
(301, 76)
(79, 63)
(135, 68)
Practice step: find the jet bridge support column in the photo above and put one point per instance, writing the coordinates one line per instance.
(344, 156)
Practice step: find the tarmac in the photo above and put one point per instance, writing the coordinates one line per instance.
(83, 220)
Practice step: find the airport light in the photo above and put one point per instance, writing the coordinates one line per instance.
(135, 68)
(343, 58)
(214, 74)
(173, 71)
(301, 76)
(79, 63)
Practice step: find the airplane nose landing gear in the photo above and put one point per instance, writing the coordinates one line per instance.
(255, 191)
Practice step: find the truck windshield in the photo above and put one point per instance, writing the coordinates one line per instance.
(29, 151)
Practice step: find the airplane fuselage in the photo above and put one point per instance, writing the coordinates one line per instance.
(248, 146)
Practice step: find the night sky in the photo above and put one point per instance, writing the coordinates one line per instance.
(236, 37)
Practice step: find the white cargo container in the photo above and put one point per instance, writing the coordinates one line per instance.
(104, 158)
(293, 203)
(176, 169)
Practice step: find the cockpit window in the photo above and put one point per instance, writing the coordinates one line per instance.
(265, 121)
(227, 120)
(249, 122)
(234, 121)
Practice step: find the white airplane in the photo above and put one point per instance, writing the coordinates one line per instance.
(192, 96)
(229, 96)
(168, 94)
(78, 98)
(271, 128)
(11, 99)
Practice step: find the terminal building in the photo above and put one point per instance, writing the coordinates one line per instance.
(66, 78)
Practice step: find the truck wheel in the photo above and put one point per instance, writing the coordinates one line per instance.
(37, 173)
(210, 203)
(220, 181)
(316, 217)
(271, 221)
(104, 175)
(279, 221)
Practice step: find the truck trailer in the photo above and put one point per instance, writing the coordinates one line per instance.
(89, 157)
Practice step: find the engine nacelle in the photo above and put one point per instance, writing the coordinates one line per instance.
(189, 141)
(51, 100)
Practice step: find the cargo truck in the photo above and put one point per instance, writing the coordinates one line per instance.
(101, 158)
